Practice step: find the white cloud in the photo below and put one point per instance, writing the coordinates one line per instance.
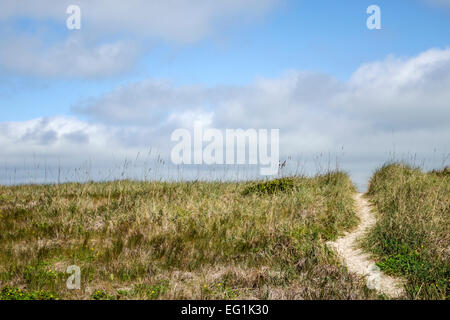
(146, 102)
(390, 94)
(27, 55)
(402, 93)
(50, 136)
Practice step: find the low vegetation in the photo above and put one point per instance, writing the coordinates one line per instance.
(270, 187)
(188, 240)
(411, 237)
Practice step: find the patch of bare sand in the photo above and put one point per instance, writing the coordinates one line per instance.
(358, 261)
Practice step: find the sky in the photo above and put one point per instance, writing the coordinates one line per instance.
(137, 70)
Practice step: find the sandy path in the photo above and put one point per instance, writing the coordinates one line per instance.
(359, 262)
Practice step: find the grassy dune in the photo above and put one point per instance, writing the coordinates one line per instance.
(412, 236)
(136, 240)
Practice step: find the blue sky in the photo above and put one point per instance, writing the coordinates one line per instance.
(321, 36)
(215, 56)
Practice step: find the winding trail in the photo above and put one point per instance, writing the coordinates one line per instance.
(358, 261)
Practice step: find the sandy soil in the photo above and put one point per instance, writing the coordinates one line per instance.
(359, 262)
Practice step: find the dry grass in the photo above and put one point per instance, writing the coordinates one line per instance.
(198, 240)
(412, 236)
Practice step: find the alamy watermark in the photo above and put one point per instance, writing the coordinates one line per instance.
(74, 281)
(73, 22)
(374, 277)
(227, 147)
(374, 20)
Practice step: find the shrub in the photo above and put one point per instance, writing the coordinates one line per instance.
(270, 187)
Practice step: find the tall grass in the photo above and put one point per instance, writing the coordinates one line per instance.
(186, 240)
(411, 237)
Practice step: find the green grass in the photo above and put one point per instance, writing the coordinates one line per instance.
(8, 293)
(411, 237)
(188, 240)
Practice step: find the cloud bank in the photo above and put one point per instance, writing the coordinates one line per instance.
(398, 105)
